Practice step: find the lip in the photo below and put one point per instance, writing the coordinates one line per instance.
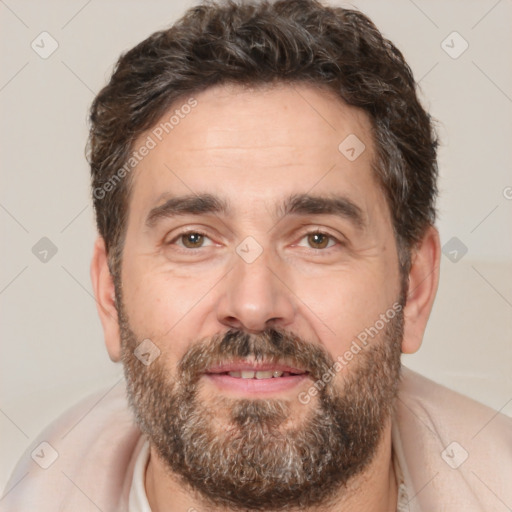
(225, 382)
(218, 376)
(237, 366)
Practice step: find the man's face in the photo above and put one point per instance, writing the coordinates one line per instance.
(255, 242)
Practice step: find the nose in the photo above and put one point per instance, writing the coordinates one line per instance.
(254, 297)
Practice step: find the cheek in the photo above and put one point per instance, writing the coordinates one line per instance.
(342, 304)
(160, 302)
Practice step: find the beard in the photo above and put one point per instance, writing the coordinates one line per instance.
(253, 454)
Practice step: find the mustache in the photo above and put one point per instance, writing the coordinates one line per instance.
(270, 345)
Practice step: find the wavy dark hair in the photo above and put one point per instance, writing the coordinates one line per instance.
(263, 42)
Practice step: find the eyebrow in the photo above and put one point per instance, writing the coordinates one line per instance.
(187, 205)
(341, 206)
(296, 204)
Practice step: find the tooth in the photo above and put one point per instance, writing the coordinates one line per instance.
(247, 374)
(264, 375)
(277, 373)
(234, 374)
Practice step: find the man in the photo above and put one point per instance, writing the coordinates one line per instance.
(264, 180)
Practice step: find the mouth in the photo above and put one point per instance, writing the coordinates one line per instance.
(255, 377)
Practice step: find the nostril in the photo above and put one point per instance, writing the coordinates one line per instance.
(233, 322)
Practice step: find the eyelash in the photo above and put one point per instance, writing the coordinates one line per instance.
(304, 235)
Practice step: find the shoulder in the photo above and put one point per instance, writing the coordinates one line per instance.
(458, 448)
(445, 410)
(81, 461)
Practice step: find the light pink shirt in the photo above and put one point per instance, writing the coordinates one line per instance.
(454, 454)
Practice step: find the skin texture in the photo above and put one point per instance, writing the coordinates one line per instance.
(253, 149)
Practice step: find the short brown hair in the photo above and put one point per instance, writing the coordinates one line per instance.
(256, 43)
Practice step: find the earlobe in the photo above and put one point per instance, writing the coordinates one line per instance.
(104, 292)
(423, 283)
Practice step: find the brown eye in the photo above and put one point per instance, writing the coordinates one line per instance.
(318, 240)
(192, 240)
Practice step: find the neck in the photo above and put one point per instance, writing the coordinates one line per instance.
(374, 490)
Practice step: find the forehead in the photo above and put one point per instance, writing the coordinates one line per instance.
(257, 144)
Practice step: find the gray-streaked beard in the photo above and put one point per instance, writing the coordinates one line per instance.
(247, 454)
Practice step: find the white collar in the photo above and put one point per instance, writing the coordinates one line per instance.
(401, 471)
(138, 500)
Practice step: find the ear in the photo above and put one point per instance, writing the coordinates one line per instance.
(104, 291)
(423, 282)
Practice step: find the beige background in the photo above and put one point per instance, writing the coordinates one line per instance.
(52, 351)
